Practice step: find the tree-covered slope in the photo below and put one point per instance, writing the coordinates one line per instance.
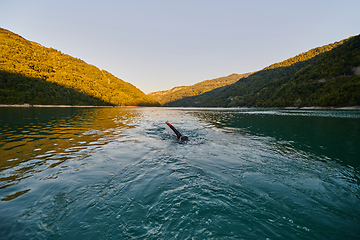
(38, 75)
(324, 76)
(177, 93)
(18, 89)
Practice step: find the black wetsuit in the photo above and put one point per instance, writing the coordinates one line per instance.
(178, 134)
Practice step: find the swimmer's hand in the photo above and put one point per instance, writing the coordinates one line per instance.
(183, 138)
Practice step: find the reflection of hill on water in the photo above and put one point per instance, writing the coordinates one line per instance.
(35, 139)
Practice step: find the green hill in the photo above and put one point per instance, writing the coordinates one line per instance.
(323, 76)
(31, 73)
(176, 93)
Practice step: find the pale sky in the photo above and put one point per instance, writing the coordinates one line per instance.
(159, 44)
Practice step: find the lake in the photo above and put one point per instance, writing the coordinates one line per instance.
(119, 173)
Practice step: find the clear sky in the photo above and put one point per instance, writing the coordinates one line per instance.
(160, 44)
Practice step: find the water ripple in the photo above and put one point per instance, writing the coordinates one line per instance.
(121, 174)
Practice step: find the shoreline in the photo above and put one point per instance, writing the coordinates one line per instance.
(90, 106)
(62, 106)
(325, 108)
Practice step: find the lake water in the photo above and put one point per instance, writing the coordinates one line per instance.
(119, 173)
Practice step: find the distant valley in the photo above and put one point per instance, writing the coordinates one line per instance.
(177, 93)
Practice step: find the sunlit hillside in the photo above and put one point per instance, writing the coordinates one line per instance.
(31, 73)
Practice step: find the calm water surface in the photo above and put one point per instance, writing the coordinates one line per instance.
(115, 173)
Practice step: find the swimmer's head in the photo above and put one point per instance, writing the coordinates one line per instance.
(183, 138)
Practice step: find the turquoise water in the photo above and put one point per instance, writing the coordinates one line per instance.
(119, 173)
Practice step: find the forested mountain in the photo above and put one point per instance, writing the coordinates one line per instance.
(324, 76)
(177, 93)
(31, 73)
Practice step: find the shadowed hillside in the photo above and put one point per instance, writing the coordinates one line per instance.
(18, 89)
(324, 76)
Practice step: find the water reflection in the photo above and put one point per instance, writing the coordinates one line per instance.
(35, 139)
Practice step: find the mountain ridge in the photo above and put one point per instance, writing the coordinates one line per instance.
(22, 61)
(176, 93)
(264, 88)
(323, 76)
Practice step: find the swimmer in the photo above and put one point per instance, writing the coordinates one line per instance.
(178, 134)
